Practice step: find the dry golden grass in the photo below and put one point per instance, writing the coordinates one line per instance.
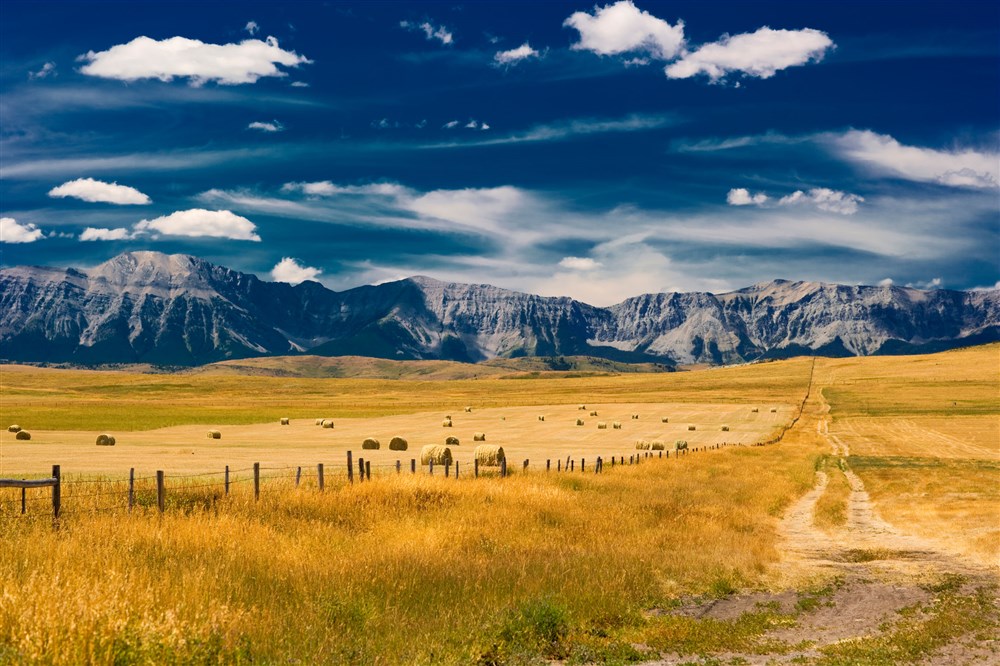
(831, 508)
(924, 434)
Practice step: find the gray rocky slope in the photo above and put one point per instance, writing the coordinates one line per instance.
(180, 310)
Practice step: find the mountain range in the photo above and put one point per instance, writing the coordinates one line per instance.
(149, 307)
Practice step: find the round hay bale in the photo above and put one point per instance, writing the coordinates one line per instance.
(105, 440)
(541, 418)
(774, 410)
(602, 425)
(14, 428)
(754, 410)
(656, 445)
(371, 443)
(617, 425)
(446, 423)
(439, 455)
(579, 422)
(593, 413)
(468, 409)
(664, 419)
(398, 443)
(503, 418)
(451, 440)
(583, 406)
(725, 428)
(214, 434)
(643, 445)
(327, 423)
(680, 444)
(635, 417)
(284, 421)
(22, 434)
(319, 422)
(692, 427)
(479, 437)
(489, 455)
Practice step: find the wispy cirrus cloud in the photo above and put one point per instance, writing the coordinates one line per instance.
(98, 191)
(881, 153)
(564, 130)
(191, 59)
(47, 70)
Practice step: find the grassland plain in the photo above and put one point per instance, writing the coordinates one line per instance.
(654, 562)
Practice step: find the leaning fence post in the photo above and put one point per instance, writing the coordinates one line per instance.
(56, 491)
(319, 475)
(227, 479)
(161, 491)
(131, 488)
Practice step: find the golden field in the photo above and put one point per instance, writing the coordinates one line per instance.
(537, 567)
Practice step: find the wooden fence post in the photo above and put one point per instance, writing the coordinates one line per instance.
(361, 468)
(56, 492)
(525, 465)
(350, 468)
(503, 468)
(298, 476)
(548, 465)
(368, 469)
(447, 470)
(559, 465)
(399, 467)
(583, 465)
(413, 465)
(256, 481)
(131, 488)
(227, 479)
(456, 469)
(161, 491)
(24, 500)
(572, 465)
(475, 467)
(430, 466)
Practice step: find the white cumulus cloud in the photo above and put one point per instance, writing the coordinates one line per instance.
(832, 201)
(98, 234)
(179, 57)
(198, 222)
(430, 31)
(252, 28)
(291, 271)
(579, 263)
(269, 127)
(12, 231)
(884, 154)
(759, 54)
(98, 191)
(740, 196)
(885, 282)
(624, 28)
(47, 70)
(514, 56)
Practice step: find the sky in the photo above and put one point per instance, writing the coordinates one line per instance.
(559, 148)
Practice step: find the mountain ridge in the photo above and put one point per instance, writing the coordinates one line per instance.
(150, 307)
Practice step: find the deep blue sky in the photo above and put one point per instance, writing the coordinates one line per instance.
(599, 176)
